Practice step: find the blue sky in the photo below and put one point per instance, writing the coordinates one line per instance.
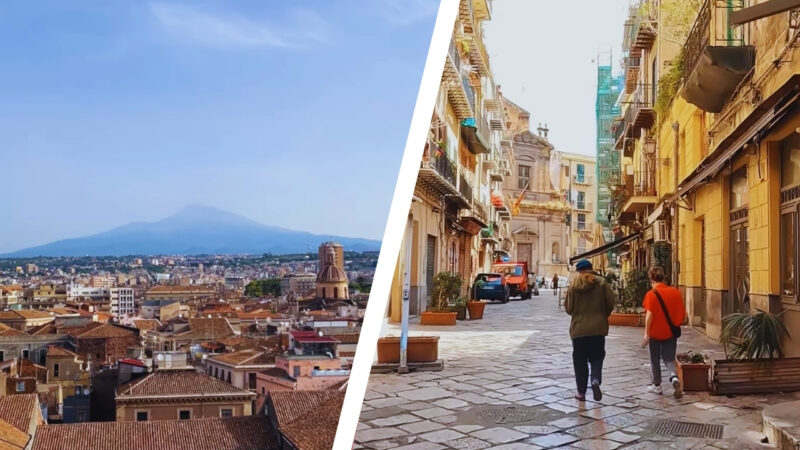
(291, 113)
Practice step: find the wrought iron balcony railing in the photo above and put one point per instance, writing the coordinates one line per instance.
(438, 161)
(712, 28)
(465, 189)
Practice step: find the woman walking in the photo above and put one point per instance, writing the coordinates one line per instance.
(665, 314)
(590, 300)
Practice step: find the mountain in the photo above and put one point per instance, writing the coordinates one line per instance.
(193, 230)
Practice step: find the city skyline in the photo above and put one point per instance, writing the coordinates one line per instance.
(129, 113)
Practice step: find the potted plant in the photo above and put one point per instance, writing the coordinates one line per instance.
(419, 349)
(755, 361)
(694, 370)
(626, 312)
(446, 292)
(460, 307)
(476, 307)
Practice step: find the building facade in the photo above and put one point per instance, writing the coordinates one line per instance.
(122, 301)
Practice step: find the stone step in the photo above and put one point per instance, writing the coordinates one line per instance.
(782, 425)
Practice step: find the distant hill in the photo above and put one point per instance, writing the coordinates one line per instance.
(193, 230)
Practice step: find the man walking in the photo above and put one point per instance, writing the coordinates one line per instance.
(590, 300)
(665, 314)
(555, 284)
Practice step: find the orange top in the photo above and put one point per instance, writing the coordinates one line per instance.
(659, 329)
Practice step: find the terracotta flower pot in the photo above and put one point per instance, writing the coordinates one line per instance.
(420, 349)
(461, 314)
(694, 377)
(476, 309)
(438, 318)
(624, 320)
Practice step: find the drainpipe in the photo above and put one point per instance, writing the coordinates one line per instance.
(403, 368)
(676, 266)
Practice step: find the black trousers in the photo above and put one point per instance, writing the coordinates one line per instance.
(588, 351)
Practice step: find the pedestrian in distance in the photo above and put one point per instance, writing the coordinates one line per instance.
(555, 283)
(665, 314)
(590, 300)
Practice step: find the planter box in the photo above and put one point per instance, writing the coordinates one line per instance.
(420, 349)
(694, 377)
(624, 320)
(476, 309)
(437, 318)
(755, 377)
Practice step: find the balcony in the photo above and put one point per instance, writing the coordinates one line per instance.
(623, 129)
(496, 175)
(473, 219)
(716, 59)
(643, 113)
(459, 92)
(632, 68)
(582, 206)
(642, 190)
(437, 175)
(640, 28)
(581, 226)
(583, 179)
(465, 189)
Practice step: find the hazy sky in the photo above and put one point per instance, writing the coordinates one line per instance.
(543, 54)
(291, 113)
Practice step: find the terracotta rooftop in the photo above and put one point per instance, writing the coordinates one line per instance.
(181, 290)
(24, 314)
(308, 418)
(18, 409)
(11, 437)
(346, 338)
(248, 357)
(103, 330)
(188, 382)
(234, 433)
(6, 330)
(54, 350)
(48, 328)
(204, 328)
(311, 337)
(146, 324)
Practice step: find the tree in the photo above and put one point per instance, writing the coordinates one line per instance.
(270, 287)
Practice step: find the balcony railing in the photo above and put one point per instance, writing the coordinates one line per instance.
(581, 205)
(438, 161)
(641, 184)
(465, 189)
(469, 91)
(453, 52)
(580, 225)
(716, 56)
(582, 179)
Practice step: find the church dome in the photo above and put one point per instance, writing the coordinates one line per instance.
(331, 274)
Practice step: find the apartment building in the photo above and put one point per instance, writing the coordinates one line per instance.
(458, 221)
(122, 301)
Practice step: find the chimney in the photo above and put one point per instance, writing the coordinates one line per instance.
(540, 130)
(545, 130)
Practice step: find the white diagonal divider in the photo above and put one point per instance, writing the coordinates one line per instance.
(396, 225)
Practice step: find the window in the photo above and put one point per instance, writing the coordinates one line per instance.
(296, 371)
(790, 211)
(556, 257)
(740, 196)
(581, 245)
(20, 386)
(581, 200)
(2, 356)
(263, 390)
(216, 372)
(579, 173)
(142, 416)
(26, 354)
(523, 176)
(581, 221)
(55, 370)
(251, 379)
(226, 413)
(228, 379)
(184, 414)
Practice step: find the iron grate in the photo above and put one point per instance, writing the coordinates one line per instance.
(687, 429)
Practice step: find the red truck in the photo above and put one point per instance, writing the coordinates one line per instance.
(516, 277)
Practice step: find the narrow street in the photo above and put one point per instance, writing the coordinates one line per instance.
(508, 383)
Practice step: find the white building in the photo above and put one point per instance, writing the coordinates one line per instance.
(121, 301)
(76, 291)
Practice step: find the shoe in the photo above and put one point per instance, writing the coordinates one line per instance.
(580, 397)
(597, 394)
(676, 384)
(653, 389)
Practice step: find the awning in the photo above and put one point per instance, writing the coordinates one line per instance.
(475, 141)
(656, 214)
(762, 119)
(604, 248)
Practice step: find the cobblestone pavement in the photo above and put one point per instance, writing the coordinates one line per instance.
(508, 383)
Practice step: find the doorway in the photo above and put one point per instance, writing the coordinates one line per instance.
(430, 265)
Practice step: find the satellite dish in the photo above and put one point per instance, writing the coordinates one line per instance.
(160, 357)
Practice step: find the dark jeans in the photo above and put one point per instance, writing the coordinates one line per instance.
(662, 350)
(588, 350)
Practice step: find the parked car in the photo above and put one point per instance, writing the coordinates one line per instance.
(490, 286)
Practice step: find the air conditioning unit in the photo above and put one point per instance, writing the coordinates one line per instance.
(660, 231)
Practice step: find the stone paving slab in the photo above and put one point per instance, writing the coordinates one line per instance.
(520, 357)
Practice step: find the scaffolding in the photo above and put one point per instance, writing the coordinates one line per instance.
(609, 87)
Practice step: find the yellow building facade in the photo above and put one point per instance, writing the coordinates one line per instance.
(726, 151)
